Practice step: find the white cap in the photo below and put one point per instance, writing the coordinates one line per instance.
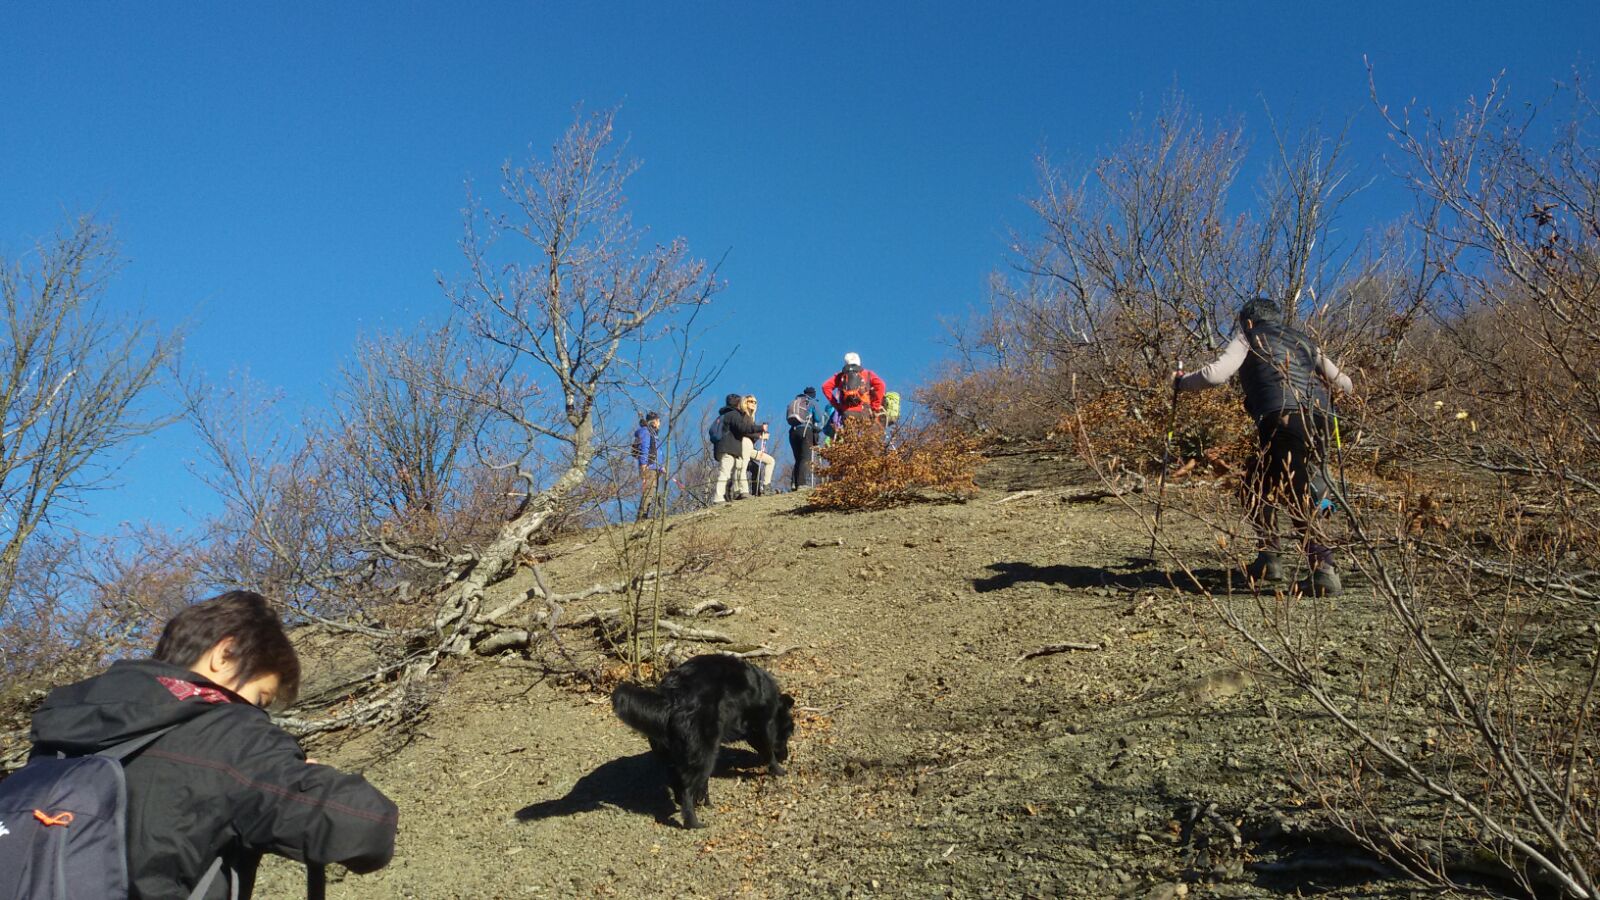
(852, 359)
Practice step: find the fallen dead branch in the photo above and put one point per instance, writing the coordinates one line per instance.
(761, 651)
(685, 633)
(687, 518)
(813, 543)
(713, 608)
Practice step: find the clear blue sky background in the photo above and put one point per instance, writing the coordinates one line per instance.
(286, 176)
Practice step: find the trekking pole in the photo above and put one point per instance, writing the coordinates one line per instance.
(1338, 449)
(316, 882)
(1166, 461)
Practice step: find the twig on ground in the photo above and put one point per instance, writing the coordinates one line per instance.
(760, 651)
(495, 777)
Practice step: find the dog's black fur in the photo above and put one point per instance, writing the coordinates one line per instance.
(701, 704)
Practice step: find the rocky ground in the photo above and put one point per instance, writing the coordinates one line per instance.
(931, 759)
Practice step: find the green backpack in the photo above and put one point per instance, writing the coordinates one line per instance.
(891, 405)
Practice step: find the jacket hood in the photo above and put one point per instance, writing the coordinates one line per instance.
(725, 410)
(131, 698)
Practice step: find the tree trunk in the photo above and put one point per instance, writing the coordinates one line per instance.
(454, 620)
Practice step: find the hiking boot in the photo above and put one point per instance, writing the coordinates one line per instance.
(1325, 582)
(1265, 568)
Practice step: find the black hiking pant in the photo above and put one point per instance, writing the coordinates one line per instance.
(801, 445)
(1286, 474)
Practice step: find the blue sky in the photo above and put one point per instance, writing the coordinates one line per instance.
(285, 177)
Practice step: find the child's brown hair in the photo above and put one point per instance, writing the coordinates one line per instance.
(260, 645)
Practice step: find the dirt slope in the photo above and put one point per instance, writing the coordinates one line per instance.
(930, 761)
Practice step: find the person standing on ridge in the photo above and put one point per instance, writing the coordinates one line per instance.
(646, 452)
(857, 393)
(1286, 378)
(730, 435)
(805, 433)
(759, 460)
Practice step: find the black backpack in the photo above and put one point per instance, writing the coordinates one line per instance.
(854, 389)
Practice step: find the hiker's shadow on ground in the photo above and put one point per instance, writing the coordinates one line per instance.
(635, 784)
(1136, 574)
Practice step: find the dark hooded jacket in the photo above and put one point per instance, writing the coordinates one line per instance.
(736, 426)
(225, 781)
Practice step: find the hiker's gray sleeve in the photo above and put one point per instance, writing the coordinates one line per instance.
(1218, 371)
(1330, 372)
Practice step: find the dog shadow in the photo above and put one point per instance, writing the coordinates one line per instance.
(635, 784)
(1136, 574)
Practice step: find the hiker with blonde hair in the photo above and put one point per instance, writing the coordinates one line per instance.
(755, 452)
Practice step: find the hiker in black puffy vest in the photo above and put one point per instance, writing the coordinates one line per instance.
(735, 428)
(1285, 378)
(225, 782)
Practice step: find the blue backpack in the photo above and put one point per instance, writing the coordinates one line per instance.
(63, 826)
(714, 433)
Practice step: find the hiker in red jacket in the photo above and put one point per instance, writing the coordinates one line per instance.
(855, 392)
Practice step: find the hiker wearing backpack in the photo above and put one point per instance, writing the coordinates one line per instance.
(211, 782)
(1286, 380)
(646, 450)
(805, 433)
(760, 462)
(730, 434)
(855, 392)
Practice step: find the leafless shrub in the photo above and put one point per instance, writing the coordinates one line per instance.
(446, 453)
(1134, 269)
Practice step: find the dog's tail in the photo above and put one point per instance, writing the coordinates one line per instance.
(641, 708)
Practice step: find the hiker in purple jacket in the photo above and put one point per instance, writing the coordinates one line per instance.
(647, 452)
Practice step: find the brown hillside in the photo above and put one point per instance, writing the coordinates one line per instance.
(929, 760)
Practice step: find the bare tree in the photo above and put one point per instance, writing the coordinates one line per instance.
(1135, 264)
(557, 287)
(406, 443)
(74, 381)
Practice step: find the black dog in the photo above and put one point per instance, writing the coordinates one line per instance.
(706, 701)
